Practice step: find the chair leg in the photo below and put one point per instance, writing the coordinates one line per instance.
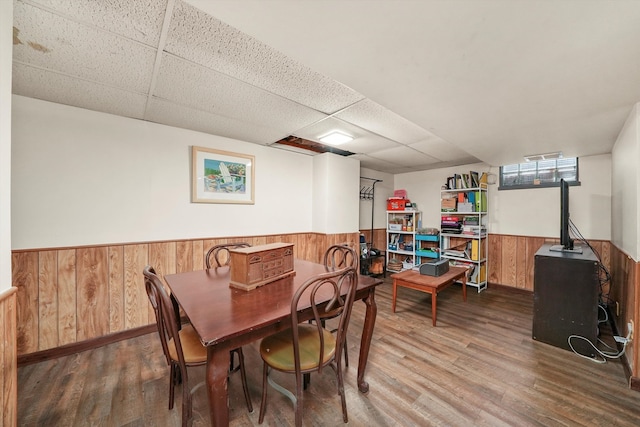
(346, 354)
(345, 418)
(263, 401)
(243, 375)
(172, 384)
(186, 402)
(298, 403)
(306, 380)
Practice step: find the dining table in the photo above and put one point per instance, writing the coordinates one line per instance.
(226, 318)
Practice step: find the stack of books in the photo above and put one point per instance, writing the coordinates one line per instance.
(451, 224)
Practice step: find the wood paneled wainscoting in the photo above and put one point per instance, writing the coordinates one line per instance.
(8, 359)
(70, 299)
(511, 258)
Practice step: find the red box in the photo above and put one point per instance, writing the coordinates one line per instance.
(396, 204)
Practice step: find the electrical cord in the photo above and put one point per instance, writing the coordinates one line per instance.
(604, 298)
(603, 355)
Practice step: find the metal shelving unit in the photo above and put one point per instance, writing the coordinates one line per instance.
(401, 238)
(463, 234)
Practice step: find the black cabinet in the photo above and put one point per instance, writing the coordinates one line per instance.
(566, 289)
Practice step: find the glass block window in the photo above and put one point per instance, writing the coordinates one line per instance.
(543, 173)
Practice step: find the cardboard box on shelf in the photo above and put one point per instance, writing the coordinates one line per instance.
(448, 204)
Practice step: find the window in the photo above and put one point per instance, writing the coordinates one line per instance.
(543, 173)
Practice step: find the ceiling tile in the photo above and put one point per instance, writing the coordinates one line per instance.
(442, 150)
(374, 117)
(136, 20)
(203, 89)
(404, 156)
(77, 50)
(53, 87)
(163, 112)
(205, 40)
(380, 164)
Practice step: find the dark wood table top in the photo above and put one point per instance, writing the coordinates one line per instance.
(219, 312)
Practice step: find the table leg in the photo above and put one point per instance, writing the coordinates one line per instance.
(464, 287)
(434, 302)
(393, 298)
(217, 382)
(367, 335)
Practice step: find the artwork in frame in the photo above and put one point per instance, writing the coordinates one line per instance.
(221, 176)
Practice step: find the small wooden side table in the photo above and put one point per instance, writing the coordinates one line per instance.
(429, 284)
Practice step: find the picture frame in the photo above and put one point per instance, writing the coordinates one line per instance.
(219, 176)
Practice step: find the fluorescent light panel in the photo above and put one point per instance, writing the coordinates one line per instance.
(547, 156)
(336, 138)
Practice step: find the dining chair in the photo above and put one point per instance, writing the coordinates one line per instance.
(309, 347)
(336, 257)
(181, 345)
(219, 256)
(220, 253)
(340, 256)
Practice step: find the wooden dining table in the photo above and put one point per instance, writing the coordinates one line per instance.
(226, 318)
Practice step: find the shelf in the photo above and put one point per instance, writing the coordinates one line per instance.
(404, 241)
(427, 237)
(427, 254)
(472, 238)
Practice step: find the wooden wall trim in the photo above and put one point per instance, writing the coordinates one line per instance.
(8, 358)
(67, 298)
(81, 346)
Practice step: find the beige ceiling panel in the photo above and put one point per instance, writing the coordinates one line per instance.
(200, 88)
(404, 156)
(163, 112)
(133, 19)
(442, 150)
(205, 40)
(369, 115)
(379, 164)
(53, 87)
(82, 51)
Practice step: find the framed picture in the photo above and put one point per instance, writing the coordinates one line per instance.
(221, 176)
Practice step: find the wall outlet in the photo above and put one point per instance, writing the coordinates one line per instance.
(630, 330)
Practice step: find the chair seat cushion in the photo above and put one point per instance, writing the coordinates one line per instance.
(277, 350)
(192, 348)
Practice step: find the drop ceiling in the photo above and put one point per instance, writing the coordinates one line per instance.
(418, 84)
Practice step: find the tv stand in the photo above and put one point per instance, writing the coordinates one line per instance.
(560, 248)
(565, 298)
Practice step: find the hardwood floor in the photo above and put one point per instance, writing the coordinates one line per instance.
(479, 366)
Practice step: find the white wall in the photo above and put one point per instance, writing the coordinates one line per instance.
(527, 212)
(625, 187)
(335, 194)
(6, 46)
(84, 178)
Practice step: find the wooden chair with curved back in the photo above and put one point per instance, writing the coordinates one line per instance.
(218, 255)
(340, 256)
(336, 257)
(180, 344)
(309, 347)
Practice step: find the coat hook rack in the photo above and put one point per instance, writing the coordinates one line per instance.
(367, 192)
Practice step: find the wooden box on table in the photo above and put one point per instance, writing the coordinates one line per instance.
(258, 265)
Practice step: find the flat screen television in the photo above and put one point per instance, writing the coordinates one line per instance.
(566, 242)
